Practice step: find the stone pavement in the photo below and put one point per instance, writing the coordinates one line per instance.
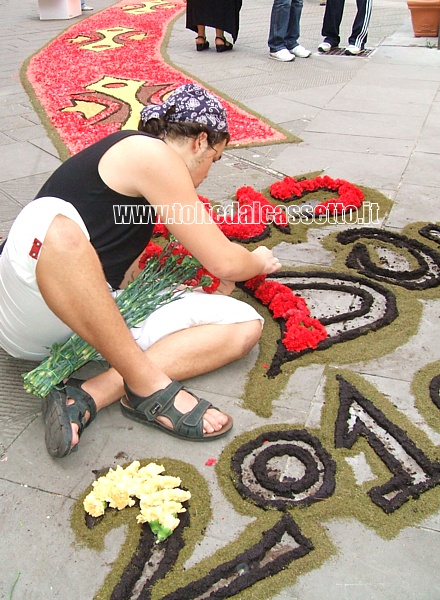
(374, 121)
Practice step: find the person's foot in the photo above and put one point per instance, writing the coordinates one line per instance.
(85, 7)
(177, 411)
(353, 50)
(75, 426)
(213, 419)
(223, 45)
(201, 43)
(282, 55)
(300, 52)
(325, 47)
(67, 411)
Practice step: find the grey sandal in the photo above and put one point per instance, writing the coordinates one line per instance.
(186, 426)
(58, 416)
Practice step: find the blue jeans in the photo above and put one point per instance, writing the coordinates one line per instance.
(284, 24)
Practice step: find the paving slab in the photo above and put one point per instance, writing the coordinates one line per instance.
(402, 561)
(371, 124)
(13, 166)
(381, 146)
(373, 170)
(281, 110)
(37, 519)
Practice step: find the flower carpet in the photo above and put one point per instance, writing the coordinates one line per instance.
(289, 478)
(115, 66)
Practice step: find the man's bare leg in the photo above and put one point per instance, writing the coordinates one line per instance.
(182, 355)
(73, 285)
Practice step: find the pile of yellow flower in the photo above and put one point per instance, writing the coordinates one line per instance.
(160, 497)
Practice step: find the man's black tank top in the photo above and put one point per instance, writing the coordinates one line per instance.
(77, 181)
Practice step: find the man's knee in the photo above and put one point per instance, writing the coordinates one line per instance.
(248, 335)
(65, 235)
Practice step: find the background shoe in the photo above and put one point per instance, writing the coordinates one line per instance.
(325, 47)
(283, 55)
(300, 52)
(86, 7)
(201, 45)
(223, 47)
(353, 50)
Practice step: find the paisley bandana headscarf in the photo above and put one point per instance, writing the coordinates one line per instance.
(190, 103)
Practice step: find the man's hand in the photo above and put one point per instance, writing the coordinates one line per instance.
(270, 263)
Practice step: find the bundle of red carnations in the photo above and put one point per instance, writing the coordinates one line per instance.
(202, 278)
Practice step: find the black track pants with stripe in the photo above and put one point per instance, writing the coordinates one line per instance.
(332, 20)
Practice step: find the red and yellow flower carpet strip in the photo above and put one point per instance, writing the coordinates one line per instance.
(95, 77)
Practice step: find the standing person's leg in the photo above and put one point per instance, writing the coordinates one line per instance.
(221, 43)
(201, 41)
(293, 31)
(279, 21)
(358, 37)
(334, 10)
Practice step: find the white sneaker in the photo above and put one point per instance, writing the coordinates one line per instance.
(325, 47)
(352, 49)
(282, 55)
(86, 7)
(300, 52)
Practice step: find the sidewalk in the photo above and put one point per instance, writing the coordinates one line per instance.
(373, 121)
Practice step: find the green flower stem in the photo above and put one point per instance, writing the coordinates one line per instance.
(161, 532)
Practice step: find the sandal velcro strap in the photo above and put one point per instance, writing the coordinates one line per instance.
(83, 403)
(161, 404)
(154, 405)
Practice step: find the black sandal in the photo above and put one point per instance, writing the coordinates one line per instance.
(186, 426)
(223, 47)
(204, 45)
(58, 416)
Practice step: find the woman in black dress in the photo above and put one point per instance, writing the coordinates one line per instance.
(222, 15)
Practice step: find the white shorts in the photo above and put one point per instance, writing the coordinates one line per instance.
(190, 310)
(28, 328)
